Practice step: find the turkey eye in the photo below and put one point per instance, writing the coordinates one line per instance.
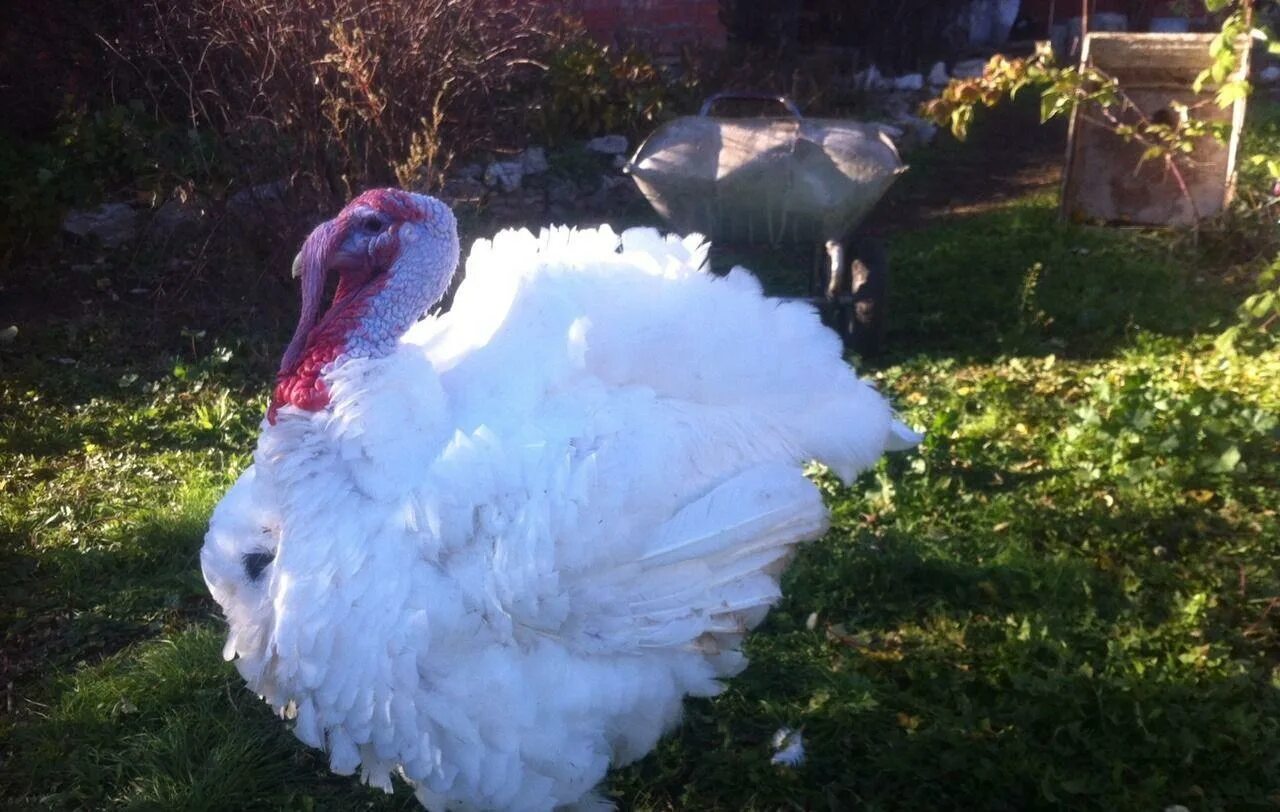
(371, 224)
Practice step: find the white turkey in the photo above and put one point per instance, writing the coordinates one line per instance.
(492, 550)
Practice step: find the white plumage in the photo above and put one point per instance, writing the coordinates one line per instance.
(507, 550)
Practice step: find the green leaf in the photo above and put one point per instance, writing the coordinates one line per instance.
(1232, 92)
(1151, 153)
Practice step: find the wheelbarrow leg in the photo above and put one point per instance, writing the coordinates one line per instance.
(835, 269)
(849, 285)
(865, 316)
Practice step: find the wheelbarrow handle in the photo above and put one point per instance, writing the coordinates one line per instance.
(749, 96)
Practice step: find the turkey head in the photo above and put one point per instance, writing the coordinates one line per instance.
(394, 253)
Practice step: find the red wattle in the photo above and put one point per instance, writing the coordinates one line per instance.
(304, 385)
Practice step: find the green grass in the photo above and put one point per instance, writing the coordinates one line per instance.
(1067, 598)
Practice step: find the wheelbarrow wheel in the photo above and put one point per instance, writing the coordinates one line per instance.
(861, 317)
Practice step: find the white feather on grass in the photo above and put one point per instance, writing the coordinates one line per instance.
(788, 748)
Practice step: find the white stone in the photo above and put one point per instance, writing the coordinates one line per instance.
(113, 224)
(504, 175)
(938, 76)
(969, 68)
(608, 144)
(919, 132)
(534, 161)
(871, 79)
(1269, 75)
(910, 81)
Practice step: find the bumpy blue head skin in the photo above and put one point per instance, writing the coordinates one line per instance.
(394, 253)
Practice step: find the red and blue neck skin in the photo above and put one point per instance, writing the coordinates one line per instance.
(394, 253)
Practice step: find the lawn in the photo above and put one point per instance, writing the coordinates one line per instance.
(1067, 598)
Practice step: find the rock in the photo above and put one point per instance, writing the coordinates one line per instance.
(534, 206)
(462, 190)
(254, 202)
(938, 76)
(898, 106)
(180, 216)
(1269, 75)
(911, 81)
(871, 79)
(926, 132)
(562, 192)
(112, 224)
(916, 132)
(620, 161)
(534, 161)
(504, 175)
(608, 144)
(469, 171)
(969, 68)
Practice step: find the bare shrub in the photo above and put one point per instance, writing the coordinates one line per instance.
(348, 93)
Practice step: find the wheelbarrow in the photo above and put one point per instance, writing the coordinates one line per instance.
(782, 180)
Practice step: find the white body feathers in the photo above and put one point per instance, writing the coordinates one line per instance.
(509, 549)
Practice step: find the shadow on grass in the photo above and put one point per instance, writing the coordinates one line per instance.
(1018, 281)
(58, 414)
(167, 724)
(64, 606)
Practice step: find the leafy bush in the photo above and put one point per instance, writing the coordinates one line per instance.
(590, 89)
(89, 156)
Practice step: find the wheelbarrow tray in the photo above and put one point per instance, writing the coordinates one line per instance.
(766, 180)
